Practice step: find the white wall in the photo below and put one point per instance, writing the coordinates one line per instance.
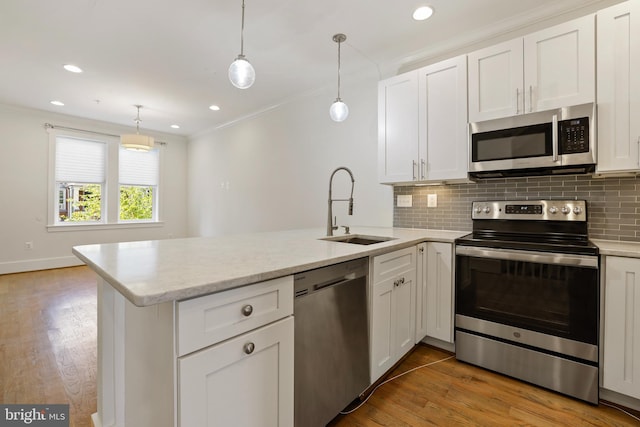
(24, 146)
(271, 172)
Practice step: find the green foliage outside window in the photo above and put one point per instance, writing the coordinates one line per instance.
(88, 206)
(136, 203)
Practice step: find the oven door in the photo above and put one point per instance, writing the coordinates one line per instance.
(537, 299)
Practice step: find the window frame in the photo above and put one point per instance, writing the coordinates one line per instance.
(110, 215)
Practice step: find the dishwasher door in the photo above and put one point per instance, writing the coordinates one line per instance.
(331, 366)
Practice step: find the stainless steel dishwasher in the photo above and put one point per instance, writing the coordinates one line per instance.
(331, 340)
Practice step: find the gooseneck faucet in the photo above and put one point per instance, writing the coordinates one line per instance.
(330, 226)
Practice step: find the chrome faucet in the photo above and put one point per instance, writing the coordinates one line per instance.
(330, 226)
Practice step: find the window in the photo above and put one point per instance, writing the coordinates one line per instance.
(94, 181)
(80, 177)
(138, 184)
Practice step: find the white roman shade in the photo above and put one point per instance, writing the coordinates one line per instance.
(139, 167)
(80, 161)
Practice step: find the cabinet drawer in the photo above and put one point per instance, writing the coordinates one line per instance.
(213, 318)
(394, 264)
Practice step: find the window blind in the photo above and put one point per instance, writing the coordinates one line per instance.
(139, 167)
(80, 161)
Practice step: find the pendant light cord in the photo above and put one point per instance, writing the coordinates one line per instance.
(339, 43)
(242, 32)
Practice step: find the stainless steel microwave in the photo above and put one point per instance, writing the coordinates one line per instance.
(553, 142)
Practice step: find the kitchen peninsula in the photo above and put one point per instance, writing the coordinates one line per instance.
(168, 309)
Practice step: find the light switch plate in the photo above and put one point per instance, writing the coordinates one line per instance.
(432, 200)
(405, 200)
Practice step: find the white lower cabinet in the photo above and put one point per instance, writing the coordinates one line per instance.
(244, 381)
(440, 291)
(393, 284)
(223, 359)
(621, 355)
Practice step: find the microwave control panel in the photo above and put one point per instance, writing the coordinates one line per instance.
(573, 136)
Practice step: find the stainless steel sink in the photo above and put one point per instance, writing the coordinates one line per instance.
(358, 239)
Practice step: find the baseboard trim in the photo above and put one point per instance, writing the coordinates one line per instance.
(620, 399)
(38, 264)
(95, 420)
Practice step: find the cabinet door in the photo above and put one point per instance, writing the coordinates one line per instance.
(392, 322)
(230, 385)
(619, 88)
(443, 128)
(495, 81)
(559, 65)
(404, 296)
(621, 370)
(398, 128)
(421, 293)
(382, 333)
(439, 291)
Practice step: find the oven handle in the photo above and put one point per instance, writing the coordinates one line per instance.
(530, 256)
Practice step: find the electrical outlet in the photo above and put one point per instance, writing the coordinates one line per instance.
(28, 245)
(405, 200)
(432, 200)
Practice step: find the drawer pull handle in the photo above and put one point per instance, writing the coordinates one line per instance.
(249, 347)
(247, 310)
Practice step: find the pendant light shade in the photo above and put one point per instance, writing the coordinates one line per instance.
(241, 72)
(135, 141)
(338, 110)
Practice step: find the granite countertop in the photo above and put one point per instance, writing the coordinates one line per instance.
(618, 248)
(157, 271)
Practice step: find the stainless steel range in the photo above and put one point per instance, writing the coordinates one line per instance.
(527, 294)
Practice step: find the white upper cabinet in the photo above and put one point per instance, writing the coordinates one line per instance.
(619, 88)
(422, 124)
(495, 81)
(398, 128)
(443, 129)
(549, 69)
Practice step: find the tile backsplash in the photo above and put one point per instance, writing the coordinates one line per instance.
(613, 204)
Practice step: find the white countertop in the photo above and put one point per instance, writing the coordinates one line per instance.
(618, 248)
(157, 271)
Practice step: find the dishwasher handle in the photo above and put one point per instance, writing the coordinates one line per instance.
(335, 282)
(307, 282)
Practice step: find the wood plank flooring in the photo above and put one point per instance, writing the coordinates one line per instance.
(48, 336)
(452, 393)
(48, 355)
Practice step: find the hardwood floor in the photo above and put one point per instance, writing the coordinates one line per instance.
(48, 355)
(453, 393)
(48, 340)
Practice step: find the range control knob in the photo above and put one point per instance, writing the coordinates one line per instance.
(565, 210)
(577, 210)
(553, 210)
(486, 209)
(478, 209)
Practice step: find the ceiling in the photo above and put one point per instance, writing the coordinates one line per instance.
(172, 56)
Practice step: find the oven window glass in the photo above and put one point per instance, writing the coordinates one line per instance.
(554, 299)
(522, 142)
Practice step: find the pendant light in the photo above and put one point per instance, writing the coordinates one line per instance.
(339, 110)
(135, 141)
(241, 72)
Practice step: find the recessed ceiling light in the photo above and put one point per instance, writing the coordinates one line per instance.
(422, 13)
(58, 103)
(73, 68)
(175, 126)
(214, 107)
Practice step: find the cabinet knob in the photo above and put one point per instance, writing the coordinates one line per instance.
(249, 347)
(247, 310)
